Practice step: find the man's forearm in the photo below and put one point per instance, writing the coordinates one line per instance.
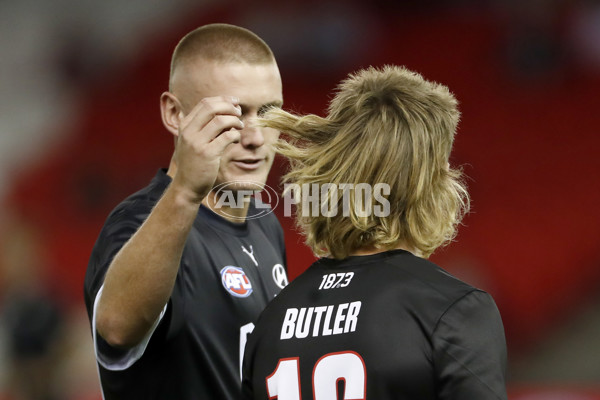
(140, 279)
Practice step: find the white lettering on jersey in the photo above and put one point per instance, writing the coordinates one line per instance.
(251, 254)
(335, 281)
(339, 319)
(245, 331)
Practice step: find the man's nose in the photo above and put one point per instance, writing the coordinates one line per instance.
(252, 135)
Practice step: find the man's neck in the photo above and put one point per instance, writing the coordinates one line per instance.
(223, 206)
(366, 251)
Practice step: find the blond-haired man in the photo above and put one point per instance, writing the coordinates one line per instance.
(176, 278)
(374, 318)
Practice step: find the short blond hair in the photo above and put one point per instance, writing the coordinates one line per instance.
(385, 125)
(221, 43)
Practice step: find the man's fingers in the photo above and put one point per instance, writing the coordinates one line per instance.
(220, 124)
(207, 109)
(208, 140)
(225, 139)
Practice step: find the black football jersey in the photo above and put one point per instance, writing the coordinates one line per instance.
(227, 275)
(380, 327)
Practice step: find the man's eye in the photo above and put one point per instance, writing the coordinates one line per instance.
(261, 111)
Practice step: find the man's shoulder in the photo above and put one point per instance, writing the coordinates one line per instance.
(139, 204)
(426, 280)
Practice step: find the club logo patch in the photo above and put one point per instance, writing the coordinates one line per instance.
(235, 281)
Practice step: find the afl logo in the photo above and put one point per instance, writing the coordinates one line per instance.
(235, 281)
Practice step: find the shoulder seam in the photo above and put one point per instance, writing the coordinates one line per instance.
(473, 289)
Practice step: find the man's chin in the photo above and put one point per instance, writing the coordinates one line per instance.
(235, 186)
(243, 182)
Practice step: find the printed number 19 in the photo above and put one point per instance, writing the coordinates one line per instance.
(284, 382)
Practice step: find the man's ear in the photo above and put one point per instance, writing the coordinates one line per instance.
(169, 111)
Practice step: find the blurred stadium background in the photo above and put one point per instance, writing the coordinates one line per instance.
(80, 129)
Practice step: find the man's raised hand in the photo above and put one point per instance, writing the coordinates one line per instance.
(204, 134)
